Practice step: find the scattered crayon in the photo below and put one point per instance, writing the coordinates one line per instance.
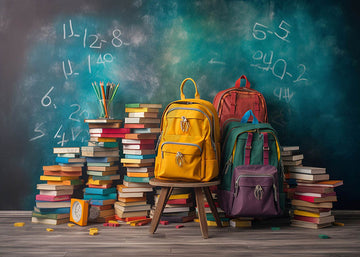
(19, 224)
(49, 230)
(322, 236)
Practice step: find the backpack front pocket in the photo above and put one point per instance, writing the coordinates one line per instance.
(255, 191)
(181, 160)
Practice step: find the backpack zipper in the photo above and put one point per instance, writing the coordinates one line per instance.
(208, 118)
(255, 176)
(177, 143)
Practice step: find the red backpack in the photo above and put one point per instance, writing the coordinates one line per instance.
(232, 103)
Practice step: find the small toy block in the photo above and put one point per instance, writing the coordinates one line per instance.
(49, 230)
(179, 226)
(113, 221)
(71, 225)
(93, 232)
(19, 224)
(322, 236)
(275, 228)
(338, 224)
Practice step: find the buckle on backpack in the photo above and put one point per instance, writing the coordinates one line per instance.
(266, 148)
(248, 147)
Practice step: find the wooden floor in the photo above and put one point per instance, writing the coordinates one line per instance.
(260, 240)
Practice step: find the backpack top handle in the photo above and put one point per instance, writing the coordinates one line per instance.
(237, 83)
(197, 96)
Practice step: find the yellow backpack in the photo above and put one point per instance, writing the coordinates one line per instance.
(189, 144)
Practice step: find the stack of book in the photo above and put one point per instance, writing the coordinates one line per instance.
(313, 198)
(179, 208)
(209, 216)
(52, 205)
(290, 156)
(132, 202)
(142, 122)
(103, 168)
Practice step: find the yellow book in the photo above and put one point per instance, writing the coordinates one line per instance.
(58, 178)
(98, 182)
(102, 139)
(211, 223)
(178, 196)
(141, 109)
(137, 160)
(308, 214)
(140, 174)
(237, 223)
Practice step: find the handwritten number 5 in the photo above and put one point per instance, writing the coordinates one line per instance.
(287, 32)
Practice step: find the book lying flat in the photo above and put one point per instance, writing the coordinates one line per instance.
(314, 189)
(143, 115)
(66, 150)
(141, 169)
(53, 187)
(140, 174)
(53, 198)
(102, 139)
(69, 160)
(56, 192)
(311, 177)
(293, 157)
(127, 160)
(141, 109)
(139, 146)
(46, 204)
(307, 170)
(49, 221)
(137, 141)
(106, 135)
(58, 178)
(136, 156)
(104, 144)
(313, 199)
(141, 125)
(63, 173)
(101, 173)
(305, 224)
(109, 130)
(140, 152)
(317, 220)
(296, 202)
(141, 120)
(101, 159)
(125, 189)
(141, 136)
(312, 214)
(100, 197)
(143, 105)
(55, 216)
(100, 191)
(102, 121)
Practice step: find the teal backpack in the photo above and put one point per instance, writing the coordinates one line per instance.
(245, 144)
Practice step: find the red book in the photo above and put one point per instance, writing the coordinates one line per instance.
(109, 130)
(313, 199)
(113, 135)
(100, 186)
(130, 218)
(178, 201)
(137, 125)
(53, 198)
(62, 173)
(319, 220)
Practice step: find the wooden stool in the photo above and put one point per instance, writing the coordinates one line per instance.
(166, 190)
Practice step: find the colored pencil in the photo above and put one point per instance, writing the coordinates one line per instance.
(103, 93)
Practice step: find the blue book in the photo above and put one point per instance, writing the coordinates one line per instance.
(137, 179)
(107, 177)
(133, 156)
(100, 197)
(52, 210)
(102, 202)
(69, 160)
(100, 191)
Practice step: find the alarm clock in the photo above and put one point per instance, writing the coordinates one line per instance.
(79, 211)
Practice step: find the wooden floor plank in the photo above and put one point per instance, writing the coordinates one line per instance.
(260, 240)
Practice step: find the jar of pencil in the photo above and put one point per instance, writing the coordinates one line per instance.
(105, 96)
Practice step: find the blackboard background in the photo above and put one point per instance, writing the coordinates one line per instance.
(150, 47)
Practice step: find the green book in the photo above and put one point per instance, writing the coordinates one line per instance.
(51, 215)
(140, 105)
(104, 144)
(137, 179)
(108, 177)
(100, 164)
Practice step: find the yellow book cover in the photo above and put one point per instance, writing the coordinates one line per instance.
(140, 174)
(98, 182)
(311, 214)
(178, 196)
(123, 160)
(57, 178)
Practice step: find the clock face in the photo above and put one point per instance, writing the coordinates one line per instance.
(76, 211)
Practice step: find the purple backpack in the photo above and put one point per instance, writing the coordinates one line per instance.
(254, 192)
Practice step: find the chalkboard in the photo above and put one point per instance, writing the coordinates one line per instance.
(302, 55)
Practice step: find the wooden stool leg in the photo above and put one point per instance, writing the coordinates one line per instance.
(201, 212)
(212, 206)
(164, 196)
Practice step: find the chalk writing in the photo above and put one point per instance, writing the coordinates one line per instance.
(277, 66)
(260, 31)
(47, 98)
(38, 130)
(283, 93)
(83, 113)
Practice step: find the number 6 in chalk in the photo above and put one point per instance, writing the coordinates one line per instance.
(46, 97)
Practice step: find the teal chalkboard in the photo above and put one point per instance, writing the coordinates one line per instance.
(302, 55)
